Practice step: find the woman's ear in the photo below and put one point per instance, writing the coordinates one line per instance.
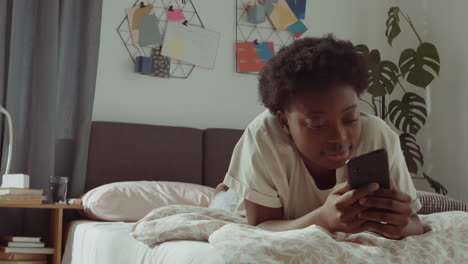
(283, 120)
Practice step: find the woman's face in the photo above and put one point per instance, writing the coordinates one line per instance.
(324, 125)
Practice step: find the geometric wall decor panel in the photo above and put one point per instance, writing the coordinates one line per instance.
(178, 69)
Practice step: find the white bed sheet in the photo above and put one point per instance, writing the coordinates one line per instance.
(94, 242)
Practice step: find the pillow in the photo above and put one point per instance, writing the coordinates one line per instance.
(132, 200)
(225, 200)
(434, 203)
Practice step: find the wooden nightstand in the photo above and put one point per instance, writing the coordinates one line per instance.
(56, 222)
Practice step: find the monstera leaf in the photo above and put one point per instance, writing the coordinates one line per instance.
(383, 75)
(393, 26)
(439, 188)
(412, 152)
(414, 64)
(409, 114)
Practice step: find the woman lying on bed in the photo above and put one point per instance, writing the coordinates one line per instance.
(289, 164)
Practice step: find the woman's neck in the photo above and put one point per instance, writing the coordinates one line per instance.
(324, 179)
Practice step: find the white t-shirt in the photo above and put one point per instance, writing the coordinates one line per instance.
(267, 169)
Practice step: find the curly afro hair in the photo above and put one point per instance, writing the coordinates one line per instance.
(311, 64)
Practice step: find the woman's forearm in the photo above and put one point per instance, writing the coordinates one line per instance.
(312, 218)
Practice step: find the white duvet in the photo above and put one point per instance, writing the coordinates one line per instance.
(236, 242)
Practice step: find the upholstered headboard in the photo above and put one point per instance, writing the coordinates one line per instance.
(130, 152)
(218, 144)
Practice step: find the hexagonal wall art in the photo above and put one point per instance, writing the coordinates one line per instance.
(178, 69)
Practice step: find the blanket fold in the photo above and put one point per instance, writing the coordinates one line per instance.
(181, 222)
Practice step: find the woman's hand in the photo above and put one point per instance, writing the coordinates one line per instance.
(389, 213)
(340, 211)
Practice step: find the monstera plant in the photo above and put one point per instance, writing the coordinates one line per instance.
(415, 70)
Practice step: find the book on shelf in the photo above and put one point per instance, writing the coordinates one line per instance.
(22, 257)
(20, 239)
(4, 191)
(23, 261)
(42, 250)
(22, 244)
(21, 197)
(21, 201)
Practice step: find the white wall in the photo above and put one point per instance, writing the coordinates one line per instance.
(226, 99)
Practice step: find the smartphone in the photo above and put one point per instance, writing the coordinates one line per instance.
(368, 168)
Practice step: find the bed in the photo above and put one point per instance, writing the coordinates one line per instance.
(133, 152)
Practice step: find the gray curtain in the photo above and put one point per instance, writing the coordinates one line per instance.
(48, 65)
